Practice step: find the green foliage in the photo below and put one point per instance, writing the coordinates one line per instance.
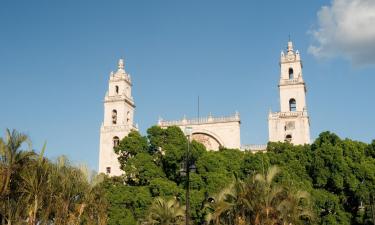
(329, 209)
(339, 174)
(141, 169)
(370, 150)
(130, 146)
(127, 203)
(157, 138)
(254, 163)
(39, 191)
(173, 144)
(259, 199)
(165, 212)
(164, 187)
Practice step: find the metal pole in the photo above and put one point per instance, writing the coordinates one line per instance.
(188, 184)
(198, 110)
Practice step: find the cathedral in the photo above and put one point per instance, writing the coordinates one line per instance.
(290, 124)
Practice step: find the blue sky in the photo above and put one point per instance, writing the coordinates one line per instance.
(56, 57)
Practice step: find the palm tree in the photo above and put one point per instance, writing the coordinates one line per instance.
(93, 205)
(259, 200)
(165, 212)
(35, 180)
(34, 190)
(296, 208)
(269, 196)
(11, 157)
(12, 161)
(68, 187)
(233, 205)
(218, 207)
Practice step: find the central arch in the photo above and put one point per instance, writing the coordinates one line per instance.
(209, 139)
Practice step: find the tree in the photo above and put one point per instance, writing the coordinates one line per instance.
(141, 169)
(12, 158)
(259, 200)
(130, 146)
(165, 212)
(40, 191)
(165, 188)
(296, 208)
(370, 151)
(127, 204)
(34, 185)
(218, 207)
(12, 161)
(337, 178)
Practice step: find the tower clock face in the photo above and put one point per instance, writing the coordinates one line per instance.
(290, 125)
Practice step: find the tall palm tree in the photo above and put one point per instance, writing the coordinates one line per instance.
(12, 161)
(259, 200)
(35, 180)
(296, 208)
(34, 190)
(68, 187)
(269, 196)
(11, 157)
(233, 205)
(165, 212)
(93, 206)
(219, 208)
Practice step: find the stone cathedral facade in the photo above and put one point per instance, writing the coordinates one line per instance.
(212, 132)
(290, 124)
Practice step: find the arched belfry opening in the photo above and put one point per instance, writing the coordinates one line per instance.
(114, 116)
(116, 141)
(288, 138)
(292, 105)
(291, 74)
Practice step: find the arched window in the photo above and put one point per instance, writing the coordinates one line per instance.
(288, 138)
(116, 89)
(108, 169)
(114, 116)
(291, 75)
(116, 141)
(128, 117)
(292, 105)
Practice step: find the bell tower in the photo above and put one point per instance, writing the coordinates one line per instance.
(292, 123)
(118, 121)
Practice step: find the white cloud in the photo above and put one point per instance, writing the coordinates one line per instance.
(346, 28)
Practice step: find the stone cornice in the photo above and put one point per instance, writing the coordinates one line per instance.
(197, 121)
(119, 98)
(118, 128)
(296, 114)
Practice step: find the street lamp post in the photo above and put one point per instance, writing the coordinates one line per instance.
(188, 132)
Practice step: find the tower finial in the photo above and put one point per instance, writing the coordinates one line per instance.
(121, 64)
(290, 46)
